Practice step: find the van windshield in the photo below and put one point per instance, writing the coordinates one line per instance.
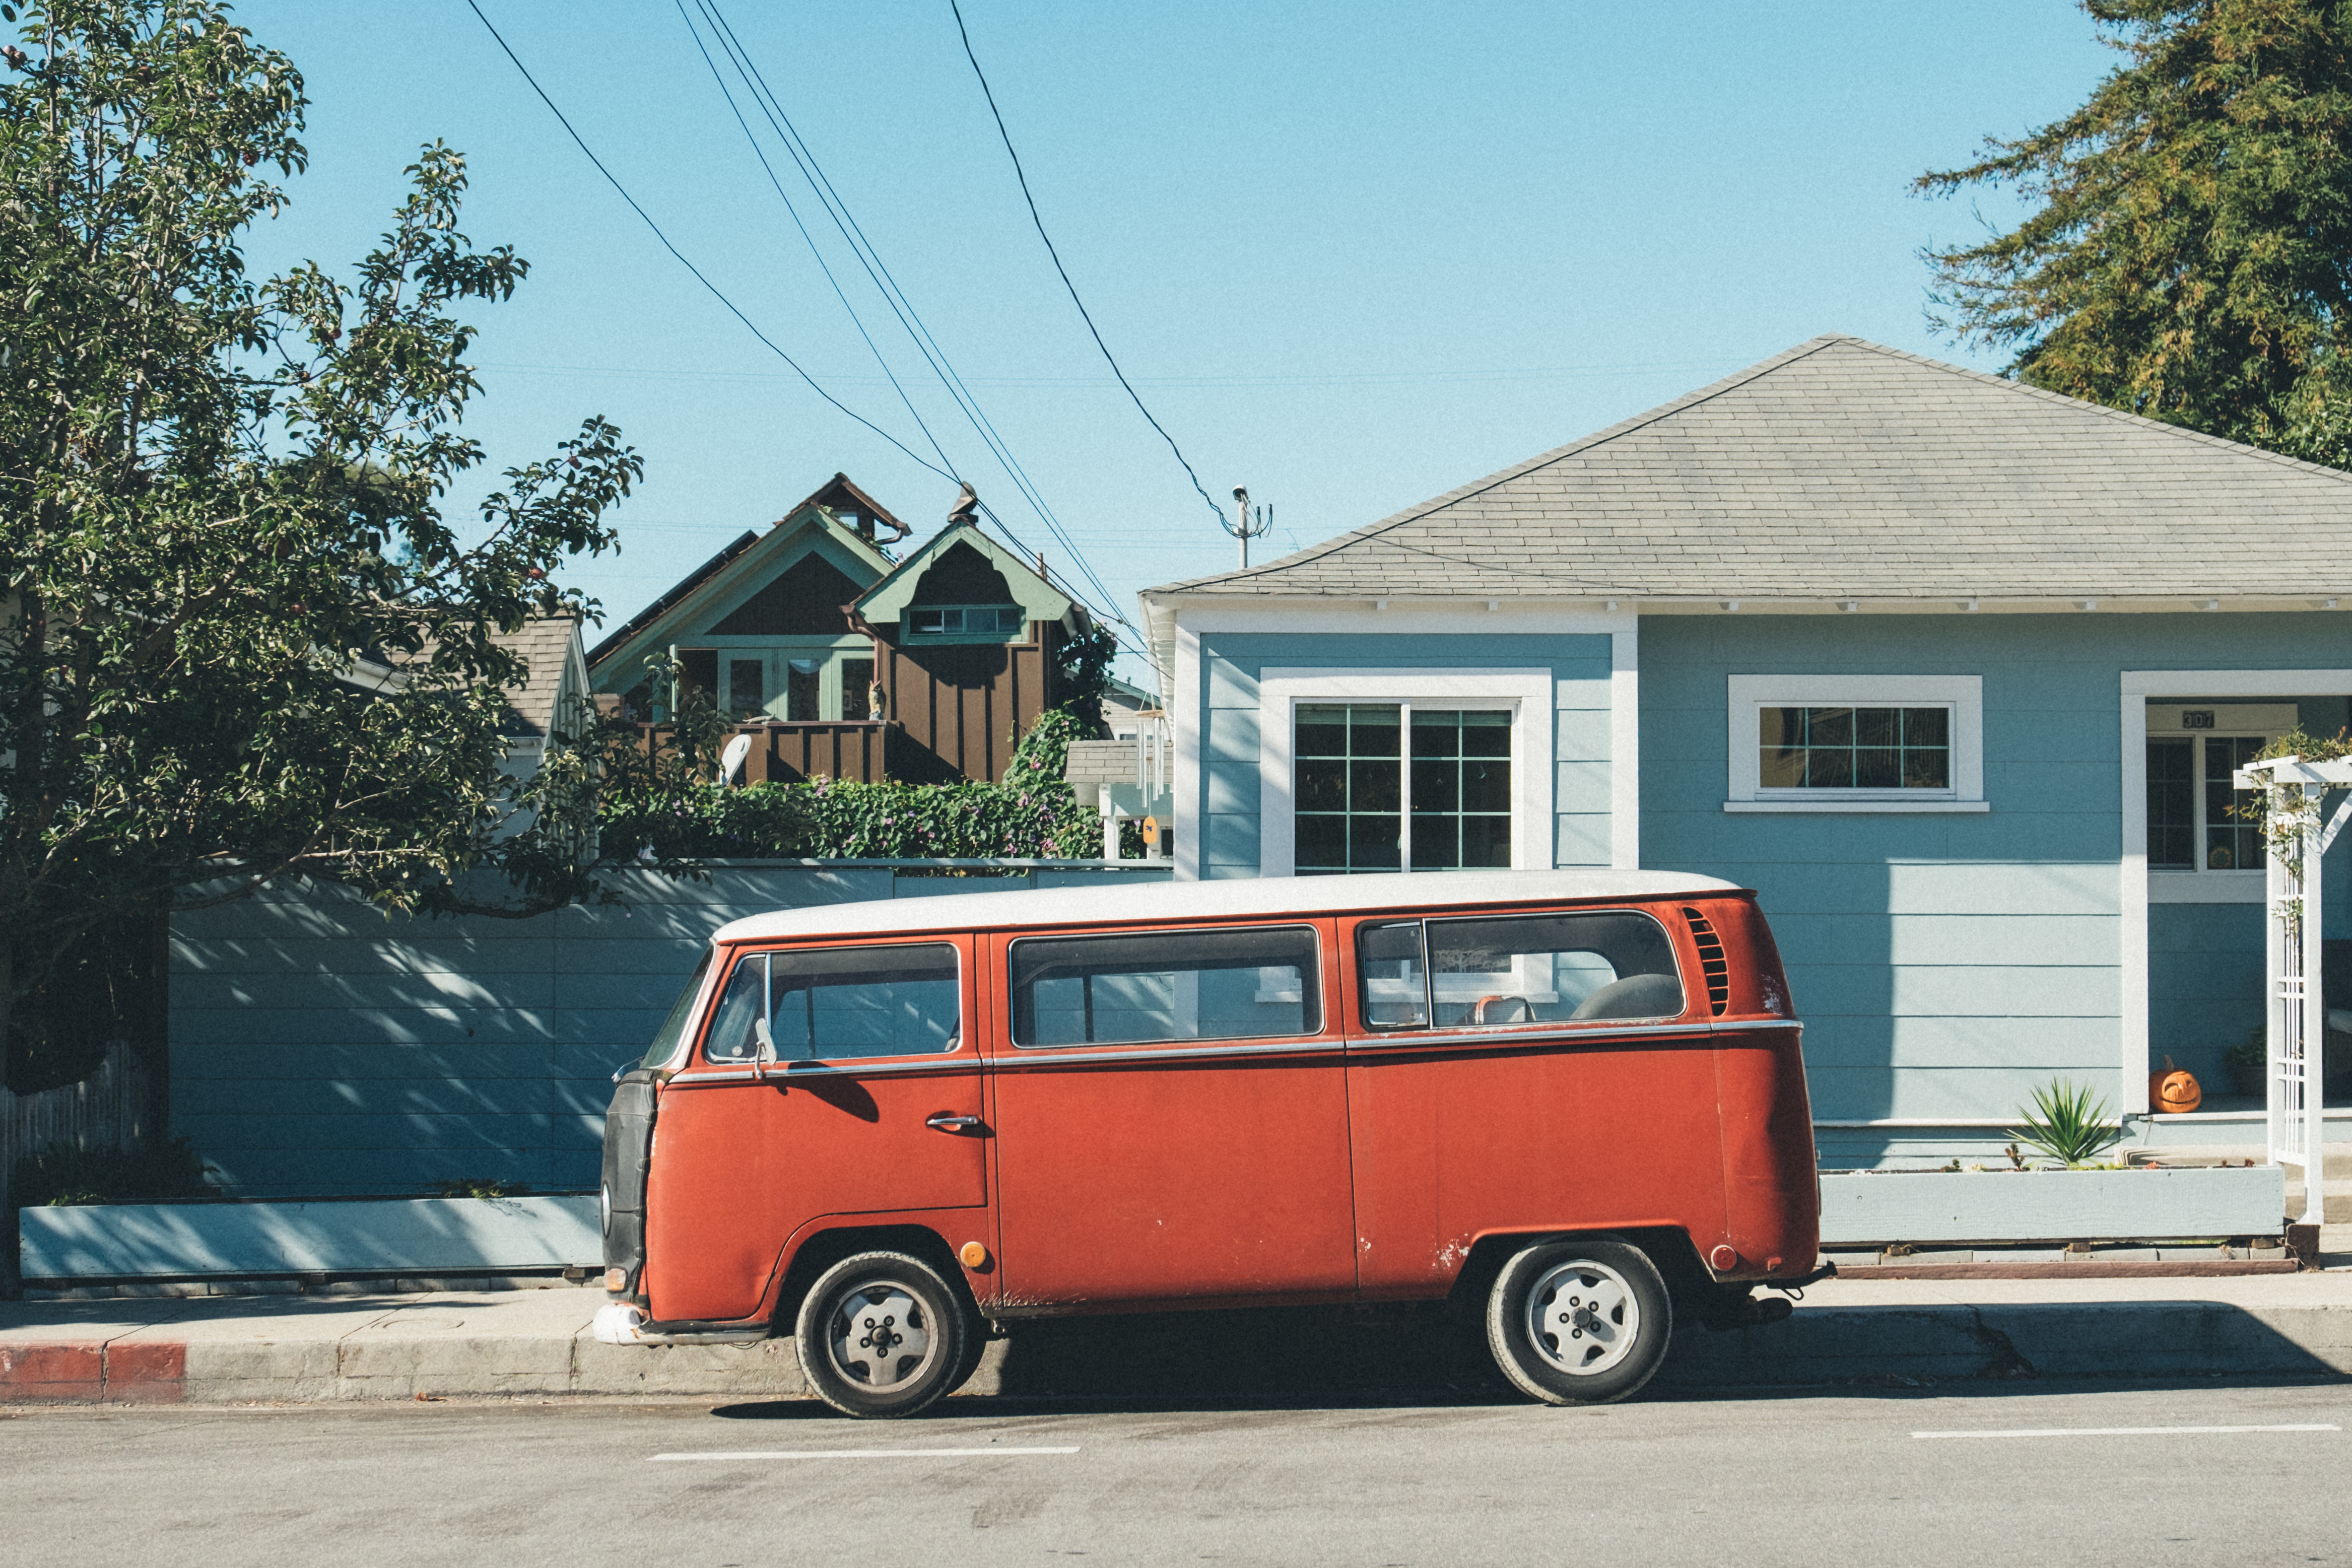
(665, 1044)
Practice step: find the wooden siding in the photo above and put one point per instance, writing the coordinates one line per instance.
(112, 1107)
(963, 705)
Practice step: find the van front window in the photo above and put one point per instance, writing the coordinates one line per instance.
(826, 1004)
(665, 1044)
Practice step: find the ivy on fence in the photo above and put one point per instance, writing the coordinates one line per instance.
(1033, 813)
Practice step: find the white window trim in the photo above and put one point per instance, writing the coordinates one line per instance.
(1964, 695)
(1524, 694)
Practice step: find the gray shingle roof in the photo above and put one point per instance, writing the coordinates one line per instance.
(542, 644)
(1845, 469)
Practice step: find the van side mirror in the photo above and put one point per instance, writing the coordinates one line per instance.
(764, 1057)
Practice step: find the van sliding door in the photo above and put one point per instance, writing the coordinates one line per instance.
(1171, 1117)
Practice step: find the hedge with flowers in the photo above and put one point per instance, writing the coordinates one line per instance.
(662, 804)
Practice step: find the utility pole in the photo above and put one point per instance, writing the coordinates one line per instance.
(1245, 528)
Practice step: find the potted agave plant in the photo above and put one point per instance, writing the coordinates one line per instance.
(2059, 1185)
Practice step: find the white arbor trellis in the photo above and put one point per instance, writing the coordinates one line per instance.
(2296, 1030)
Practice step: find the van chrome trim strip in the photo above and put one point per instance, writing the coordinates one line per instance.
(1540, 1038)
(782, 1073)
(1048, 1056)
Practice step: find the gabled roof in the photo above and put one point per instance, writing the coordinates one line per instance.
(1841, 470)
(1039, 599)
(753, 552)
(545, 645)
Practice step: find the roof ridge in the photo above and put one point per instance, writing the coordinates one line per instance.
(1689, 400)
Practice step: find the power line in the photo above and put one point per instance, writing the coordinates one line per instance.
(681, 256)
(810, 239)
(877, 272)
(1084, 314)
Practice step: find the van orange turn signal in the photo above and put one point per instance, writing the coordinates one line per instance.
(973, 1255)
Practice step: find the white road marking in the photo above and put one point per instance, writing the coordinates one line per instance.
(2133, 1431)
(861, 1454)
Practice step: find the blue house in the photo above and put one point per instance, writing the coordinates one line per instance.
(1952, 670)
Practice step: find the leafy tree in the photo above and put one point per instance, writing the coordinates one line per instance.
(2189, 255)
(239, 640)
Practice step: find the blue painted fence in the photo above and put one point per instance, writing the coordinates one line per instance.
(321, 1049)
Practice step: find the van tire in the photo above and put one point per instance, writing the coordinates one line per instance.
(1616, 1320)
(901, 1301)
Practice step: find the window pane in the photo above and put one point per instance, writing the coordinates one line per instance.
(1436, 785)
(1322, 785)
(681, 1013)
(1322, 732)
(2171, 805)
(1436, 841)
(1485, 733)
(1373, 786)
(1829, 726)
(1389, 971)
(1927, 726)
(745, 681)
(800, 691)
(1551, 969)
(731, 1038)
(1781, 737)
(1372, 842)
(1486, 843)
(1876, 767)
(1373, 732)
(831, 1003)
(1165, 986)
(2231, 843)
(1322, 843)
(1829, 769)
(857, 688)
(1878, 726)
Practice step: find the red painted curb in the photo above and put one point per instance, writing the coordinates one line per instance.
(88, 1372)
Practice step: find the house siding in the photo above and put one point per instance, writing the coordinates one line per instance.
(1227, 720)
(1946, 964)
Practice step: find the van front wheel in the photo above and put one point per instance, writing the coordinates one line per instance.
(881, 1334)
(1582, 1322)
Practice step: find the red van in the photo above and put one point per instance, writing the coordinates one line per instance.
(1574, 1098)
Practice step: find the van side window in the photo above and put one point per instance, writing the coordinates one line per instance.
(1516, 970)
(1166, 985)
(826, 1004)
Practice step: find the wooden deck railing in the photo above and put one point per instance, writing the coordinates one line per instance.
(855, 750)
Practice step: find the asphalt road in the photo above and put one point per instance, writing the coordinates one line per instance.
(1800, 1478)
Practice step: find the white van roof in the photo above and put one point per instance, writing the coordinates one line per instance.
(1119, 900)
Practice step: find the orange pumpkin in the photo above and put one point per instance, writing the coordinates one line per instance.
(2173, 1091)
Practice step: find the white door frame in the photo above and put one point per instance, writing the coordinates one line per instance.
(2138, 685)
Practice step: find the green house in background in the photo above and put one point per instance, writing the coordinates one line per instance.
(843, 660)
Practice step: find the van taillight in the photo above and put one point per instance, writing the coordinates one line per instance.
(1711, 961)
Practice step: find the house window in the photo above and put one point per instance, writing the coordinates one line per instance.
(802, 684)
(1363, 804)
(989, 621)
(2192, 751)
(747, 687)
(1854, 747)
(1856, 743)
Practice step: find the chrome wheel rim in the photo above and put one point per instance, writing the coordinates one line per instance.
(1582, 1317)
(880, 1337)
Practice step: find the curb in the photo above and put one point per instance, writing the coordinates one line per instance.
(454, 1349)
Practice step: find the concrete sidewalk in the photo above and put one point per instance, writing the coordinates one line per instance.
(536, 1343)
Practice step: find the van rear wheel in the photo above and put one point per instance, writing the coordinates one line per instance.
(1581, 1322)
(882, 1334)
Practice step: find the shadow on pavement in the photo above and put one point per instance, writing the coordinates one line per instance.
(1422, 1355)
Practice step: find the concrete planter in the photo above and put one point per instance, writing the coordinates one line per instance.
(429, 1235)
(1860, 1207)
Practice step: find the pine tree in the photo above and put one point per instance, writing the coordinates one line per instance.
(2190, 253)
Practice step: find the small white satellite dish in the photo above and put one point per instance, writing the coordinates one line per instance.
(730, 760)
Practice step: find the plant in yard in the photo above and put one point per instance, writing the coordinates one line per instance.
(2248, 1062)
(241, 636)
(2067, 1123)
(481, 1186)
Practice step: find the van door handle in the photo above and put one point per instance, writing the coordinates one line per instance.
(947, 1122)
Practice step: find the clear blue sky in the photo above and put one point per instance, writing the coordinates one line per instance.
(1353, 255)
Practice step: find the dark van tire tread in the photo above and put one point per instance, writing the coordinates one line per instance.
(885, 1335)
(1581, 1322)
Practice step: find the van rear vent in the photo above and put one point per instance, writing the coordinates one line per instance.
(1711, 959)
